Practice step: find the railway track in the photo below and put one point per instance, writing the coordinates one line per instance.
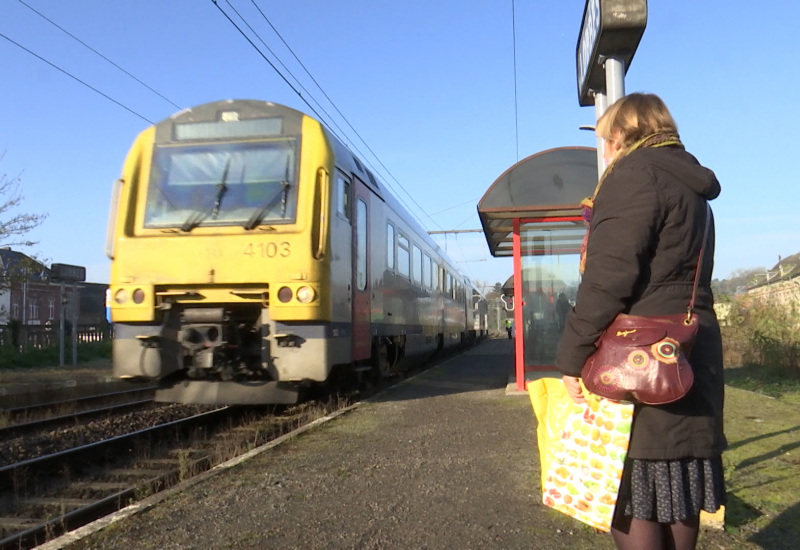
(50, 416)
(45, 409)
(45, 496)
(52, 493)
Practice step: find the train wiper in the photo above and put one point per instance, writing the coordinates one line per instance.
(258, 215)
(197, 217)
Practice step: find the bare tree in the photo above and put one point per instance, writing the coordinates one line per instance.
(14, 229)
(14, 226)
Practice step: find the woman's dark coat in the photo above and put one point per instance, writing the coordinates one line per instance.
(644, 240)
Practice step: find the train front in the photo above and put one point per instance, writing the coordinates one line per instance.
(217, 237)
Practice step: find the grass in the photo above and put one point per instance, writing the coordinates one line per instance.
(762, 423)
(10, 358)
(769, 382)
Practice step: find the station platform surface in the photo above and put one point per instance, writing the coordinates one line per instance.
(447, 459)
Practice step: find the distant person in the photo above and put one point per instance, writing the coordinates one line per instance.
(646, 224)
(508, 328)
(562, 307)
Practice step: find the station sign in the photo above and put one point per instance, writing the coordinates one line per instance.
(610, 28)
(68, 273)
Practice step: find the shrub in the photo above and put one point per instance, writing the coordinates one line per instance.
(764, 333)
(48, 356)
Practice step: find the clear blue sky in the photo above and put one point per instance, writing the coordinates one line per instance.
(429, 86)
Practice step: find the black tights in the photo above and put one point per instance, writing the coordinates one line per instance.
(639, 534)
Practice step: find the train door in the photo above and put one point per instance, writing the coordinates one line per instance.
(362, 339)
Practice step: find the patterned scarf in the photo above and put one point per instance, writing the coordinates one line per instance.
(587, 204)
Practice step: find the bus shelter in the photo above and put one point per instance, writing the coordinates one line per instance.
(533, 213)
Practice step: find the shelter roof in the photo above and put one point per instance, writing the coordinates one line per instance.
(546, 187)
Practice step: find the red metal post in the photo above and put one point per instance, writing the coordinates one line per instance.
(519, 352)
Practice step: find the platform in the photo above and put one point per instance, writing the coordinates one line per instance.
(446, 459)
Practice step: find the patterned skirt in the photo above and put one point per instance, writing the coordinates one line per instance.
(667, 491)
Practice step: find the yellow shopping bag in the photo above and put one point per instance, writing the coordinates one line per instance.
(582, 449)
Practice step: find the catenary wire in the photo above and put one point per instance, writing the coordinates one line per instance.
(62, 29)
(277, 58)
(72, 76)
(306, 100)
(319, 86)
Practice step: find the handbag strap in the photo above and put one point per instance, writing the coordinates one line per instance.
(699, 263)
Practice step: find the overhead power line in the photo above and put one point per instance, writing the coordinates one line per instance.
(62, 29)
(72, 76)
(327, 97)
(305, 99)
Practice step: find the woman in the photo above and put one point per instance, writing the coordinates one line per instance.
(646, 225)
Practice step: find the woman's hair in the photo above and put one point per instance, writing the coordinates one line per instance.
(634, 117)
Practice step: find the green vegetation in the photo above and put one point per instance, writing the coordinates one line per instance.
(10, 358)
(762, 348)
(765, 334)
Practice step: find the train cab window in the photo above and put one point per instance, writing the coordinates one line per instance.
(390, 249)
(361, 245)
(426, 271)
(403, 255)
(343, 196)
(416, 264)
(217, 184)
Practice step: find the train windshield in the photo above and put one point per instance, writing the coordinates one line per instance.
(245, 184)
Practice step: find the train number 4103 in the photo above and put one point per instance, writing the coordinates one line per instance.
(268, 250)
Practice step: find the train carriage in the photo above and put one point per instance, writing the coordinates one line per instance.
(253, 254)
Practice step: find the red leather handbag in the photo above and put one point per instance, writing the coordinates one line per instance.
(643, 358)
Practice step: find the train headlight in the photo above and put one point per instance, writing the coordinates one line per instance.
(284, 294)
(121, 296)
(138, 296)
(305, 294)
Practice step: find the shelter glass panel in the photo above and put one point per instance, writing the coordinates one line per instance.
(549, 286)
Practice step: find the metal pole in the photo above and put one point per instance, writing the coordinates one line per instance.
(600, 104)
(61, 326)
(615, 79)
(75, 305)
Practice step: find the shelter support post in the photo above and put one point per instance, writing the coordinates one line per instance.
(519, 350)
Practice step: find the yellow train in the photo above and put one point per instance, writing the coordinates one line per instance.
(253, 255)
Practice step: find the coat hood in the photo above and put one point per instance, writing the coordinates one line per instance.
(683, 166)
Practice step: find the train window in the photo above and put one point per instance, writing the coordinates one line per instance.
(245, 184)
(372, 179)
(361, 245)
(343, 196)
(389, 246)
(403, 255)
(426, 271)
(416, 264)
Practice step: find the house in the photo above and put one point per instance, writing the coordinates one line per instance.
(781, 283)
(30, 295)
(26, 293)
